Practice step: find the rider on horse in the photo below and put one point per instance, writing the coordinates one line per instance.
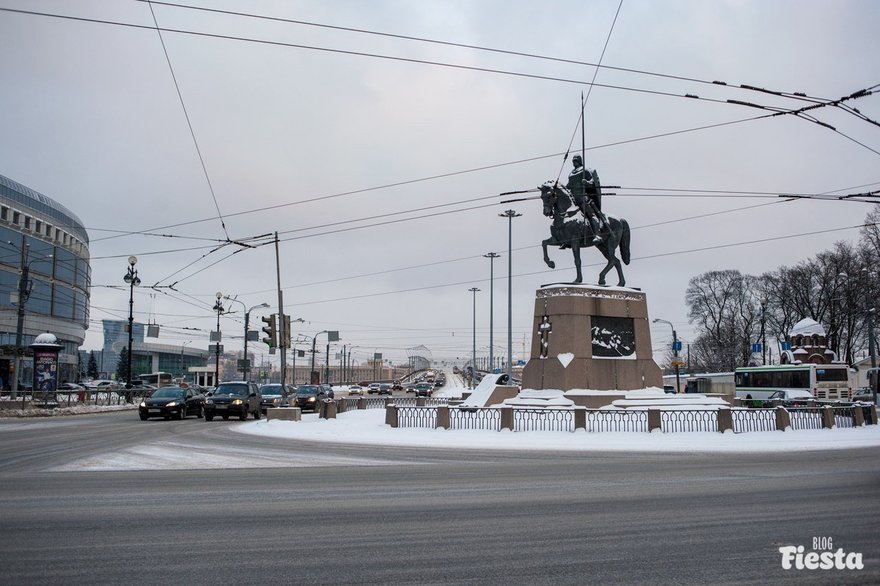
(583, 184)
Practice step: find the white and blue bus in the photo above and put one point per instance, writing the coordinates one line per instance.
(823, 381)
(157, 379)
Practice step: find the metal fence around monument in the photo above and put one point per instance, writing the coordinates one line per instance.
(745, 420)
(689, 420)
(475, 418)
(417, 417)
(602, 420)
(805, 417)
(543, 420)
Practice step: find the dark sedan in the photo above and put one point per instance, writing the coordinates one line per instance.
(169, 402)
(274, 395)
(309, 396)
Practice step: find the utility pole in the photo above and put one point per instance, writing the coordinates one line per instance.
(491, 256)
(283, 334)
(22, 297)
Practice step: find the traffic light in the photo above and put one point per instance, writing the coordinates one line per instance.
(286, 340)
(271, 330)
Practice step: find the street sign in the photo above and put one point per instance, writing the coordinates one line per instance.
(676, 346)
(677, 363)
(213, 348)
(243, 364)
(756, 348)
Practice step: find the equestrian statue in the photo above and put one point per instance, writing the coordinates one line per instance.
(578, 221)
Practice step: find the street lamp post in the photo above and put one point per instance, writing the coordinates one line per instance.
(474, 349)
(491, 256)
(674, 351)
(510, 215)
(314, 340)
(131, 277)
(218, 307)
(182, 346)
(247, 320)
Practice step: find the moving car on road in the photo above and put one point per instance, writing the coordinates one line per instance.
(384, 389)
(169, 402)
(309, 396)
(233, 398)
(274, 395)
(373, 388)
(424, 389)
(355, 390)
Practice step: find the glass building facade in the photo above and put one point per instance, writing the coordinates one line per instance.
(39, 233)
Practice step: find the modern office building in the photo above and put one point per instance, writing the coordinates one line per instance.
(147, 357)
(44, 279)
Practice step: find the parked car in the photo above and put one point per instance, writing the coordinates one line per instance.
(169, 402)
(384, 389)
(274, 395)
(791, 398)
(308, 397)
(373, 388)
(424, 389)
(864, 395)
(355, 390)
(233, 398)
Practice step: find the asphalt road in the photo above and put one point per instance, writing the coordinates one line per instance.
(287, 512)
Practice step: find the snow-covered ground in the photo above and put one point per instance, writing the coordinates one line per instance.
(368, 427)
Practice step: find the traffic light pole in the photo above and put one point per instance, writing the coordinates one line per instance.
(283, 334)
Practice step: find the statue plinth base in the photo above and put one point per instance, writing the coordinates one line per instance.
(590, 337)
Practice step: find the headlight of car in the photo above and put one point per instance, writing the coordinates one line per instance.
(172, 404)
(143, 404)
(209, 401)
(311, 399)
(237, 402)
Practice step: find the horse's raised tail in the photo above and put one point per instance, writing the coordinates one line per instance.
(624, 243)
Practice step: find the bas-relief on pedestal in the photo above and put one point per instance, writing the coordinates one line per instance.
(587, 337)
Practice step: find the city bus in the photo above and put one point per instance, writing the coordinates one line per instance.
(157, 379)
(823, 381)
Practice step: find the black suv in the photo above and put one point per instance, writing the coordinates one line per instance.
(233, 398)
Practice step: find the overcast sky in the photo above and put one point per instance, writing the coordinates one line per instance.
(382, 175)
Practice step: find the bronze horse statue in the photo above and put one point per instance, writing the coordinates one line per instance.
(569, 230)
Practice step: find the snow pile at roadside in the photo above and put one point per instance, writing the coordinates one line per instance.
(62, 411)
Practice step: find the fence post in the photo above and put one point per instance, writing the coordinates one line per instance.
(783, 419)
(872, 415)
(421, 401)
(858, 416)
(827, 417)
(391, 415)
(507, 418)
(329, 410)
(341, 405)
(362, 403)
(725, 419)
(580, 418)
(443, 416)
(654, 420)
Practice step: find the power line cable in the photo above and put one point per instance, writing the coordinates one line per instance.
(188, 121)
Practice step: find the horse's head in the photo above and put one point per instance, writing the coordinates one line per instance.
(555, 198)
(548, 197)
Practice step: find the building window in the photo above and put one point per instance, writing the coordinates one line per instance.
(49, 231)
(38, 226)
(27, 222)
(4, 213)
(16, 217)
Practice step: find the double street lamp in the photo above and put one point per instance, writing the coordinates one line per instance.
(218, 307)
(131, 277)
(675, 361)
(247, 320)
